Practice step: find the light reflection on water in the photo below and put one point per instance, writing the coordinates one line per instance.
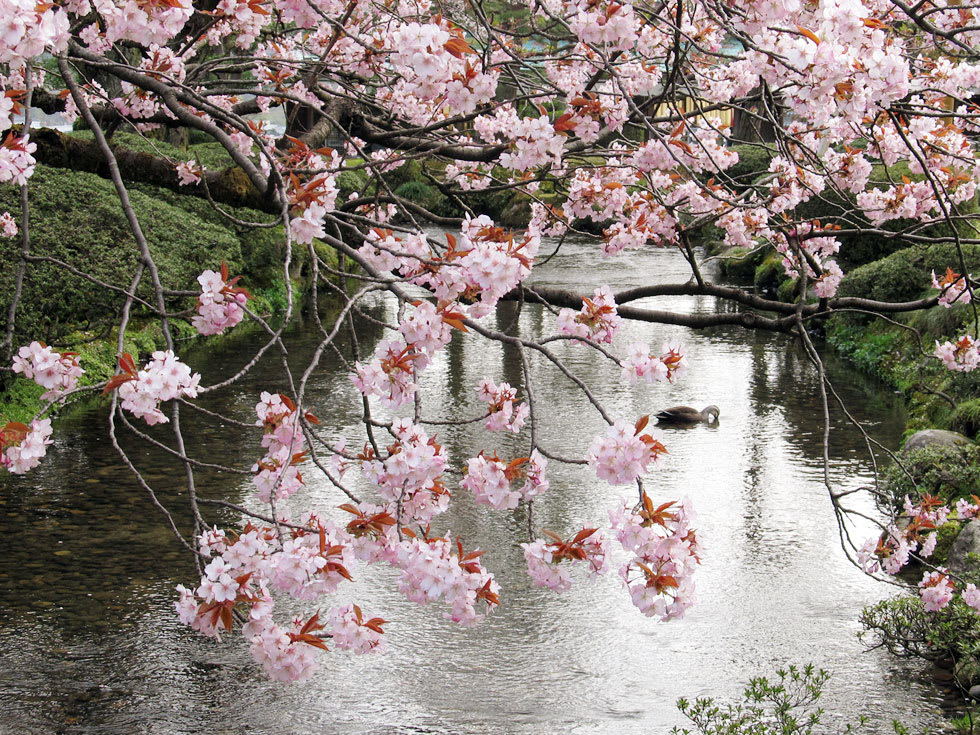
(90, 643)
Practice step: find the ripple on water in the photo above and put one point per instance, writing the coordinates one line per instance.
(87, 593)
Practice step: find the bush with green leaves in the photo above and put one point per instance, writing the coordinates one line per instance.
(784, 706)
(948, 472)
(905, 628)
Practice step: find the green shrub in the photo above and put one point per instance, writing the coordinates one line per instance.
(753, 160)
(417, 192)
(351, 182)
(904, 627)
(946, 472)
(906, 274)
(858, 248)
(408, 171)
(784, 706)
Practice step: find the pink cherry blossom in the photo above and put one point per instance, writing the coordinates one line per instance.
(549, 562)
(162, 379)
(57, 372)
(189, 173)
(962, 356)
(952, 288)
(220, 305)
(504, 415)
(23, 447)
(596, 320)
(8, 225)
(624, 453)
(936, 590)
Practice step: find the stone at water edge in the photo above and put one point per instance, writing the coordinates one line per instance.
(967, 542)
(933, 438)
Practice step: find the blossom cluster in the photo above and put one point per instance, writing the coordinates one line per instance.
(189, 173)
(664, 552)
(961, 356)
(390, 375)
(164, 378)
(16, 159)
(8, 225)
(242, 575)
(953, 288)
(492, 481)
(893, 550)
(431, 572)
(504, 415)
(277, 474)
(220, 305)
(549, 562)
(410, 476)
(56, 372)
(433, 61)
(624, 452)
(22, 447)
(596, 320)
(29, 29)
(640, 365)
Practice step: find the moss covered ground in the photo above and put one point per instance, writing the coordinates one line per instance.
(75, 218)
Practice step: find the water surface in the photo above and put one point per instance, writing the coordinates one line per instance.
(89, 642)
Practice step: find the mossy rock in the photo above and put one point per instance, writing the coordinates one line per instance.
(945, 536)
(740, 263)
(769, 274)
(966, 418)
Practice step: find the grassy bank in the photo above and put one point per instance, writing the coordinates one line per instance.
(75, 219)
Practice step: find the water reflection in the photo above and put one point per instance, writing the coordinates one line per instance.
(90, 644)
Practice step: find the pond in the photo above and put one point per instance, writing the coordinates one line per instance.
(91, 644)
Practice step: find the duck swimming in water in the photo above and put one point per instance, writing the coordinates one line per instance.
(687, 416)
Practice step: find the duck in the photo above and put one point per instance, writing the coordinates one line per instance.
(687, 416)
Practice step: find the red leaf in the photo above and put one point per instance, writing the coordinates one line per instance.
(457, 47)
(642, 423)
(564, 123)
(126, 363)
(583, 534)
(809, 34)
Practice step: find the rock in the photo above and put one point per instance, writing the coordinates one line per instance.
(934, 437)
(968, 542)
(975, 692)
(967, 672)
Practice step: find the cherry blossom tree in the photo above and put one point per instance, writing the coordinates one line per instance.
(612, 119)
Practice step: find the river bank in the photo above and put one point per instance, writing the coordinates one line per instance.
(76, 223)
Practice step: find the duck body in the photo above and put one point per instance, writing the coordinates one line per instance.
(687, 416)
